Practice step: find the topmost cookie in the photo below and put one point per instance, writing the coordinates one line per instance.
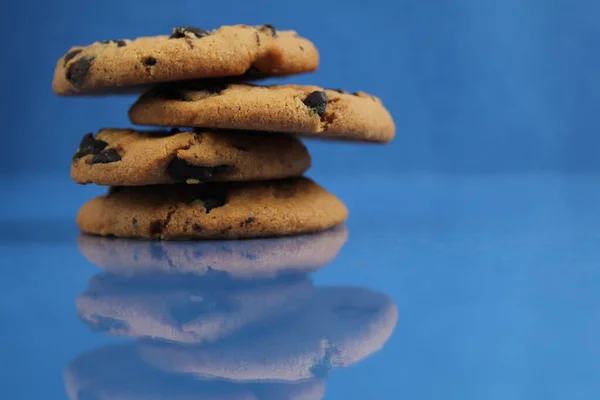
(188, 53)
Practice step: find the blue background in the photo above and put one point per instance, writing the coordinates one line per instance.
(467, 220)
(473, 85)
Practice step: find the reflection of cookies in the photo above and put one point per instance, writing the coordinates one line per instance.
(244, 259)
(189, 53)
(342, 326)
(227, 210)
(188, 310)
(124, 157)
(115, 372)
(309, 110)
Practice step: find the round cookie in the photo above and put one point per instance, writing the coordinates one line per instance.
(213, 210)
(340, 327)
(252, 259)
(188, 53)
(307, 110)
(184, 309)
(124, 157)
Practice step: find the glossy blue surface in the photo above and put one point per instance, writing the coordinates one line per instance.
(493, 280)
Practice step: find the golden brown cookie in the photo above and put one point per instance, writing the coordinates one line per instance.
(124, 157)
(213, 210)
(188, 53)
(252, 259)
(308, 110)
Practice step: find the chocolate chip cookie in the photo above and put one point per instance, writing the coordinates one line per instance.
(124, 157)
(213, 210)
(240, 51)
(309, 110)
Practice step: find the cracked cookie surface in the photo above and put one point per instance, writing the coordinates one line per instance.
(188, 53)
(125, 157)
(213, 210)
(306, 110)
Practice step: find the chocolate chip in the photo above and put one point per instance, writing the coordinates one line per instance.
(89, 145)
(252, 73)
(181, 31)
(134, 222)
(215, 201)
(119, 42)
(269, 27)
(156, 227)
(301, 48)
(78, 71)
(181, 170)
(317, 101)
(248, 221)
(197, 228)
(70, 55)
(340, 91)
(106, 156)
(150, 61)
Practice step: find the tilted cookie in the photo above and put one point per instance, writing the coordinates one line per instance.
(188, 53)
(124, 157)
(213, 210)
(308, 110)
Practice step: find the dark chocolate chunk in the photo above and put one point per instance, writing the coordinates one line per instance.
(106, 156)
(214, 200)
(150, 61)
(180, 32)
(89, 145)
(78, 71)
(197, 228)
(251, 73)
(269, 27)
(119, 42)
(70, 55)
(317, 101)
(248, 221)
(156, 227)
(134, 222)
(181, 170)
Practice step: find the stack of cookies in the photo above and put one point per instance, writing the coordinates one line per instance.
(228, 163)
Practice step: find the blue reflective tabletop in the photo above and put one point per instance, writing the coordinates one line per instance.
(439, 286)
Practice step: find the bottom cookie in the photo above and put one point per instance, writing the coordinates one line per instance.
(213, 210)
